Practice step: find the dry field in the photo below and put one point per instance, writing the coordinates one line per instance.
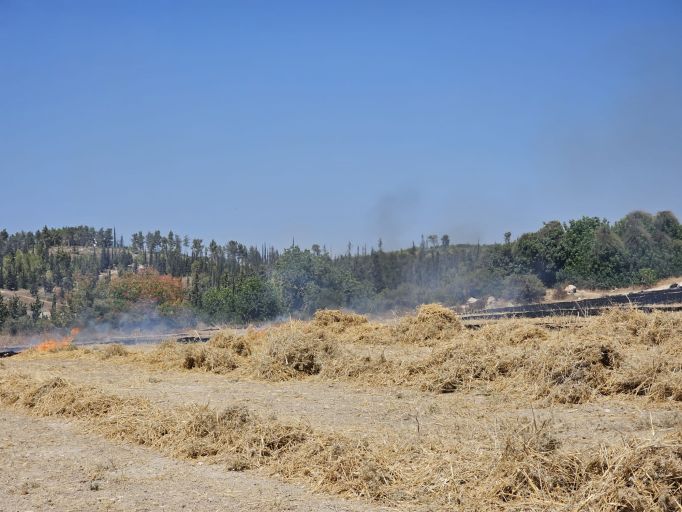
(340, 413)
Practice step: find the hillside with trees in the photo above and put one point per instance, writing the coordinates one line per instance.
(89, 275)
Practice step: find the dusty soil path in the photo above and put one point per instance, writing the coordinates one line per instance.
(362, 410)
(50, 464)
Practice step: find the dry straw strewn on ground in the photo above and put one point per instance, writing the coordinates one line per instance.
(526, 468)
(241, 439)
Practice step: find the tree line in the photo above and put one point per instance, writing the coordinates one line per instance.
(88, 274)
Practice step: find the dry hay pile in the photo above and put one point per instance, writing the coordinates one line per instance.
(337, 320)
(372, 368)
(642, 477)
(513, 332)
(535, 473)
(459, 366)
(656, 374)
(301, 349)
(629, 325)
(624, 352)
(279, 353)
(56, 397)
(234, 434)
(572, 371)
(170, 355)
(343, 327)
(650, 348)
(209, 359)
(432, 323)
(239, 344)
(291, 351)
(572, 365)
(223, 353)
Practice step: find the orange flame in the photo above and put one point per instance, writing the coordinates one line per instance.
(52, 345)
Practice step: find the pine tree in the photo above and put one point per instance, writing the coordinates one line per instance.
(53, 308)
(11, 281)
(4, 312)
(16, 308)
(195, 291)
(34, 285)
(36, 308)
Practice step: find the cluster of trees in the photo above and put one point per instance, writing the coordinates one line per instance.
(638, 249)
(90, 274)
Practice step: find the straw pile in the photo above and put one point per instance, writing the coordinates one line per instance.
(239, 344)
(629, 325)
(513, 332)
(337, 320)
(557, 367)
(533, 473)
(172, 355)
(640, 476)
(432, 323)
(293, 351)
(343, 327)
(460, 366)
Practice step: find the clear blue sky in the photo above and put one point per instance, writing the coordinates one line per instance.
(336, 121)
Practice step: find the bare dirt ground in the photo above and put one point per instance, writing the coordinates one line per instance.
(342, 414)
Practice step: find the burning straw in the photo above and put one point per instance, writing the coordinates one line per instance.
(54, 345)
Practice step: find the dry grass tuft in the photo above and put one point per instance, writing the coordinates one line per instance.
(114, 350)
